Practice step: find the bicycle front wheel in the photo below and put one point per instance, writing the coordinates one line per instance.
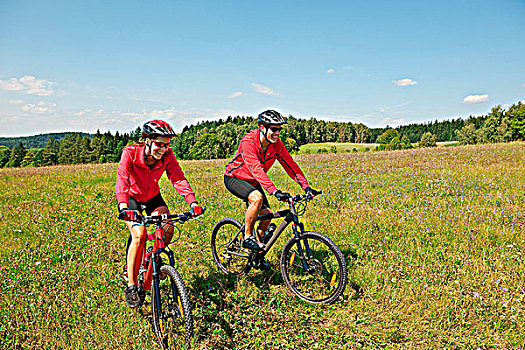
(173, 325)
(314, 268)
(228, 254)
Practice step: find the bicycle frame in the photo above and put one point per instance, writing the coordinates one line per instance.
(149, 259)
(159, 247)
(290, 217)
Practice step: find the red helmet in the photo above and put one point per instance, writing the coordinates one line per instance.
(157, 128)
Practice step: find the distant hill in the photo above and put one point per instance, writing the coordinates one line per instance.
(37, 141)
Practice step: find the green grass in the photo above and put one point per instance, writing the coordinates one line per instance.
(433, 237)
(340, 147)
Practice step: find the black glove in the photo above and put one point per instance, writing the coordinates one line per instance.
(282, 196)
(128, 214)
(311, 192)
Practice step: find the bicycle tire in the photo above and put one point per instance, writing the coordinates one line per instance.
(327, 276)
(176, 329)
(228, 254)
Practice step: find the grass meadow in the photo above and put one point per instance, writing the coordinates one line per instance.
(338, 147)
(434, 239)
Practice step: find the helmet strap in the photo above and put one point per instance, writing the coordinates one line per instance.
(267, 127)
(266, 134)
(148, 145)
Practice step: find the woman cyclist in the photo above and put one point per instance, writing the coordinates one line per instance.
(137, 189)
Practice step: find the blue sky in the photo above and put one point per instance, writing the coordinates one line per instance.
(111, 65)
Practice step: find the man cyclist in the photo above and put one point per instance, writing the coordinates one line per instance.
(137, 188)
(245, 175)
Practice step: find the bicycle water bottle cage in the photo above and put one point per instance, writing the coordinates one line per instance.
(269, 233)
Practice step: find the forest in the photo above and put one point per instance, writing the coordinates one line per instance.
(219, 139)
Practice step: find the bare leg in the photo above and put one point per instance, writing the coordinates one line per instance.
(263, 224)
(255, 200)
(138, 239)
(168, 229)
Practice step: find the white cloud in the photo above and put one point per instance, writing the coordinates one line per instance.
(29, 85)
(237, 94)
(331, 70)
(263, 89)
(405, 82)
(16, 102)
(40, 107)
(45, 117)
(390, 121)
(131, 114)
(475, 99)
(11, 85)
(83, 113)
(163, 114)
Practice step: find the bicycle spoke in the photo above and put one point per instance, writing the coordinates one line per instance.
(315, 276)
(227, 252)
(174, 324)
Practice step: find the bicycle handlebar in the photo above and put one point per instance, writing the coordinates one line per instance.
(180, 218)
(303, 197)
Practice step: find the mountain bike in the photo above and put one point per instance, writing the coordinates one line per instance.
(312, 266)
(171, 312)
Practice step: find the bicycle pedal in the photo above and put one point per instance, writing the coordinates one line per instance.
(142, 297)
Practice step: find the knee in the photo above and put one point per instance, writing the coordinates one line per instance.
(168, 229)
(139, 236)
(256, 198)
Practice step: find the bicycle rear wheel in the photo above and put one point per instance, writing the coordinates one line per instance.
(228, 254)
(174, 325)
(319, 274)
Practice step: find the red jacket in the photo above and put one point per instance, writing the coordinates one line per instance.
(251, 165)
(135, 179)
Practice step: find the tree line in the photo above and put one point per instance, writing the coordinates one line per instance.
(72, 149)
(498, 126)
(36, 141)
(220, 139)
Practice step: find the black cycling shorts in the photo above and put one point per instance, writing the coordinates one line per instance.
(242, 189)
(149, 206)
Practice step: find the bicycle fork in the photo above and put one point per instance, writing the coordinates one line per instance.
(156, 286)
(300, 249)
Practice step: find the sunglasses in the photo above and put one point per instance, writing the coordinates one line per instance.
(161, 144)
(275, 128)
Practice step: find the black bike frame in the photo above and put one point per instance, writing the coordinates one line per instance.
(290, 217)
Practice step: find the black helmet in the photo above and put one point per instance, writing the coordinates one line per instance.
(271, 117)
(157, 128)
